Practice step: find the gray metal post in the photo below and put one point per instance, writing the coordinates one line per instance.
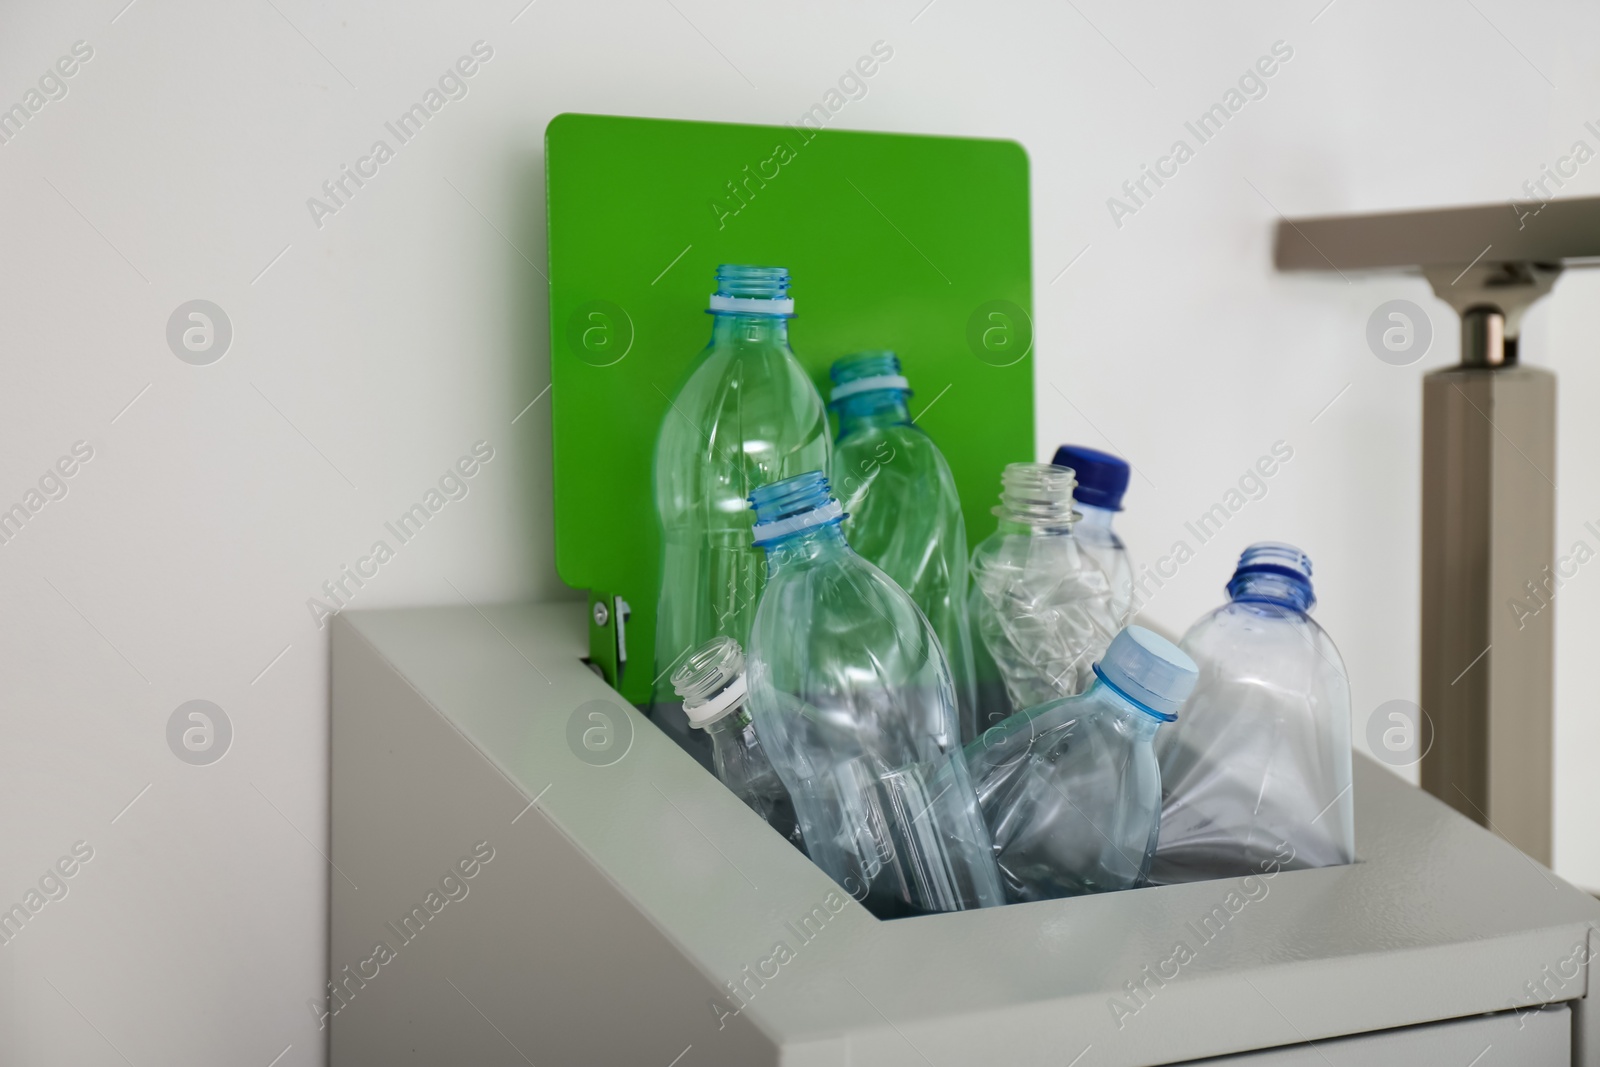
(1488, 492)
(1488, 530)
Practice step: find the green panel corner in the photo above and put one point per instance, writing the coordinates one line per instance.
(912, 243)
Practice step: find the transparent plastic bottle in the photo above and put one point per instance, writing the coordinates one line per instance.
(1041, 608)
(1256, 776)
(748, 415)
(852, 697)
(712, 683)
(1070, 789)
(1102, 480)
(902, 511)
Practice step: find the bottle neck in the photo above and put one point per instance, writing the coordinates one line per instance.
(1093, 519)
(1036, 498)
(1266, 587)
(730, 726)
(1138, 722)
(729, 328)
(877, 409)
(807, 546)
(1030, 527)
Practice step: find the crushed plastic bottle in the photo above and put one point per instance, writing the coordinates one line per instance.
(712, 683)
(1102, 481)
(1257, 774)
(903, 511)
(1041, 608)
(1070, 790)
(852, 697)
(747, 416)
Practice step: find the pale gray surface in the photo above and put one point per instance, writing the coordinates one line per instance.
(1586, 1019)
(631, 890)
(1536, 1039)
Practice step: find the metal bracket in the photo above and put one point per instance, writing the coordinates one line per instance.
(608, 636)
(1491, 299)
(603, 638)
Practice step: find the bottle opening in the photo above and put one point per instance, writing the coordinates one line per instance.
(866, 372)
(711, 681)
(792, 506)
(1274, 573)
(747, 290)
(1039, 495)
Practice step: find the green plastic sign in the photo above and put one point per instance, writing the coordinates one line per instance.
(911, 243)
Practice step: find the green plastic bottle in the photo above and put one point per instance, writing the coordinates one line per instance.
(747, 416)
(903, 511)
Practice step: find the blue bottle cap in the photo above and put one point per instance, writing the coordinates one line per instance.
(1102, 477)
(1149, 670)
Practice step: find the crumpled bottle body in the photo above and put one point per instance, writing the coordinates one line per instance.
(1256, 773)
(1042, 613)
(853, 700)
(1072, 796)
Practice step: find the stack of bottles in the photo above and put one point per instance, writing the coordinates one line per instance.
(940, 730)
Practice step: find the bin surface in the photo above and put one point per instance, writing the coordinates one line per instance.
(632, 910)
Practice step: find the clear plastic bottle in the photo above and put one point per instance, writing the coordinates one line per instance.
(1070, 790)
(902, 511)
(1041, 609)
(712, 683)
(748, 415)
(1102, 480)
(1257, 775)
(852, 697)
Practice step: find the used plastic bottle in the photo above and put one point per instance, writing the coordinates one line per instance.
(1257, 774)
(852, 697)
(748, 415)
(902, 511)
(712, 683)
(1102, 480)
(1070, 789)
(1041, 608)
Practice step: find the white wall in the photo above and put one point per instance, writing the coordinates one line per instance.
(383, 344)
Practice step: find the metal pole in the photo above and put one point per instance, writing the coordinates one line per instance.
(1488, 491)
(1488, 537)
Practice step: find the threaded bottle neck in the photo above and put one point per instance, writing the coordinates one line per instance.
(864, 366)
(797, 518)
(711, 681)
(752, 283)
(751, 292)
(792, 506)
(1270, 572)
(1037, 495)
(869, 390)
